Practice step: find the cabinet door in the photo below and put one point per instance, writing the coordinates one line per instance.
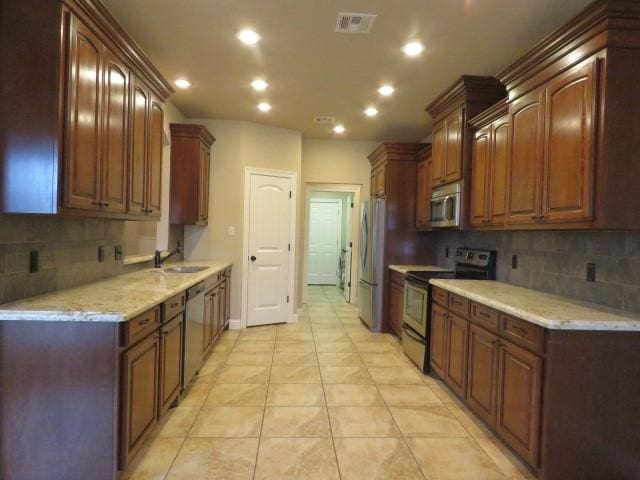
(171, 336)
(519, 392)
(421, 194)
(154, 162)
(138, 161)
(396, 307)
(498, 171)
(381, 179)
(82, 147)
(457, 349)
(453, 157)
(569, 145)
(227, 301)
(438, 153)
(524, 168)
(203, 183)
(206, 324)
(480, 171)
(139, 395)
(115, 126)
(215, 313)
(438, 342)
(482, 377)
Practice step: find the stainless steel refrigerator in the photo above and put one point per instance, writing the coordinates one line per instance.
(371, 263)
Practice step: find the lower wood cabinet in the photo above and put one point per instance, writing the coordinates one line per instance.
(171, 341)
(482, 373)
(438, 344)
(519, 403)
(456, 357)
(396, 303)
(139, 404)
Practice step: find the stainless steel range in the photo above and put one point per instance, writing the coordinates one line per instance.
(469, 264)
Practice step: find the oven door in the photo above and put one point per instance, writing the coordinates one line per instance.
(416, 300)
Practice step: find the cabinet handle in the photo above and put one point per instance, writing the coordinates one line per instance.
(144, 322)
(174, 304)
(518, 330)
(484, 314)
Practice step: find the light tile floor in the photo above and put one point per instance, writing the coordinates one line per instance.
(320, 399)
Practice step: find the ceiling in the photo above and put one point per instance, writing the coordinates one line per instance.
(314, 71)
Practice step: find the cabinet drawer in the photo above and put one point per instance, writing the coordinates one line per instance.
(484, 316)
(522, 332)
(397, 277)
(173, 306)
(141, 326)
(440, 296)
(214, 280)
(459, 305)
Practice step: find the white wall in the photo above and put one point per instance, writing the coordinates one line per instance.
(238, 145)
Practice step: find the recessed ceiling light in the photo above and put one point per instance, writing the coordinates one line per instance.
(248, 37)
(371, 111)
(264, 107)
(339, 129)
(259, 84)
(386, 90)
(412, 49)
(182, 83)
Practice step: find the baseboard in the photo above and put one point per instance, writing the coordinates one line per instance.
(235, 324)
(293, 318)
(300, 312)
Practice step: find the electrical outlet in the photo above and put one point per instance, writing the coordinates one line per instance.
(117, 253)
(231, 231)
(101, 253)
(514, 262)
(591, 272)
(34, 261)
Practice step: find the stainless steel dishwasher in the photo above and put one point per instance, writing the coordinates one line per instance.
(194, 332)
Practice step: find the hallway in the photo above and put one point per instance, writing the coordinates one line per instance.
(320, 399)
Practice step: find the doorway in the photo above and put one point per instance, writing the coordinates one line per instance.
(330, 238)
(269, 249)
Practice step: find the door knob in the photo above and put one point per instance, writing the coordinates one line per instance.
(252, 258)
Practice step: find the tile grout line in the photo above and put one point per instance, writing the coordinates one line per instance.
(264, 408)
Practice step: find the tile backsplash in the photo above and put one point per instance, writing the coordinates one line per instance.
(67, 250)
(556, 261)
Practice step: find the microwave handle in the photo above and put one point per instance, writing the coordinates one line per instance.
(449, 210)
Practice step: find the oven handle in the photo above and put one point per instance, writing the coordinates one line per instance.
(411, 334)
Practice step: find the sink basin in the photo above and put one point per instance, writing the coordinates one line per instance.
(184, 269)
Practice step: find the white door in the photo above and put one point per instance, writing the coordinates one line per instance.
(325, 218)
(349, 249)
(269, 256)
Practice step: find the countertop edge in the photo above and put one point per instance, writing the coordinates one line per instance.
(630, 325)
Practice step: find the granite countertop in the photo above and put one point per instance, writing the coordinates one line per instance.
(116, 299)
(548, 311)
(404, 269)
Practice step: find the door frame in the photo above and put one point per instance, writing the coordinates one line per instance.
(354, 189)
(335, 201)
(293, 176)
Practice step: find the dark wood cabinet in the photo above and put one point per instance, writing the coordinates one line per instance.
(139, 395)
(85, 122)
(424, 168)
(457, 340)
(227, 298)
(396, 302)
(171, 344)
(482, 375)
(453, 149)
(378, 181)
(207, 324)
(438, 341)
(488, 168)
(190, 177)
(519, 399)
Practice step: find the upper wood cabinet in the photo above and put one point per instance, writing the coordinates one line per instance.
(424, 168)
(190, 173)
(86, 137)
(488, 169)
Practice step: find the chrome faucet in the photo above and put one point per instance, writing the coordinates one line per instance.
(158, 260)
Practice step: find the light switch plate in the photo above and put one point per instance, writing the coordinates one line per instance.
(231, 231)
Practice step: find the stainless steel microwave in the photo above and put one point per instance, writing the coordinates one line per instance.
(445, 205)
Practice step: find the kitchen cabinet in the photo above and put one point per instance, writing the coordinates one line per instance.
(139, 395)
(91, 124)
(396, 302)
(483, 373)
(171, 342)
(488, 168)
(456, 344)
(424, 169)
(438, 341)
(146, 153)
(227, 297)
(447, 149)
(439, 151)
(216, 307)
(207, 324)
(378, 179)
(190, 180)
(519, 399)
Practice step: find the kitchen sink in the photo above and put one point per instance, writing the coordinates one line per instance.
(184, 269)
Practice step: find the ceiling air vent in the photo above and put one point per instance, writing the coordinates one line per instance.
(354, 22)
(325, 120)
